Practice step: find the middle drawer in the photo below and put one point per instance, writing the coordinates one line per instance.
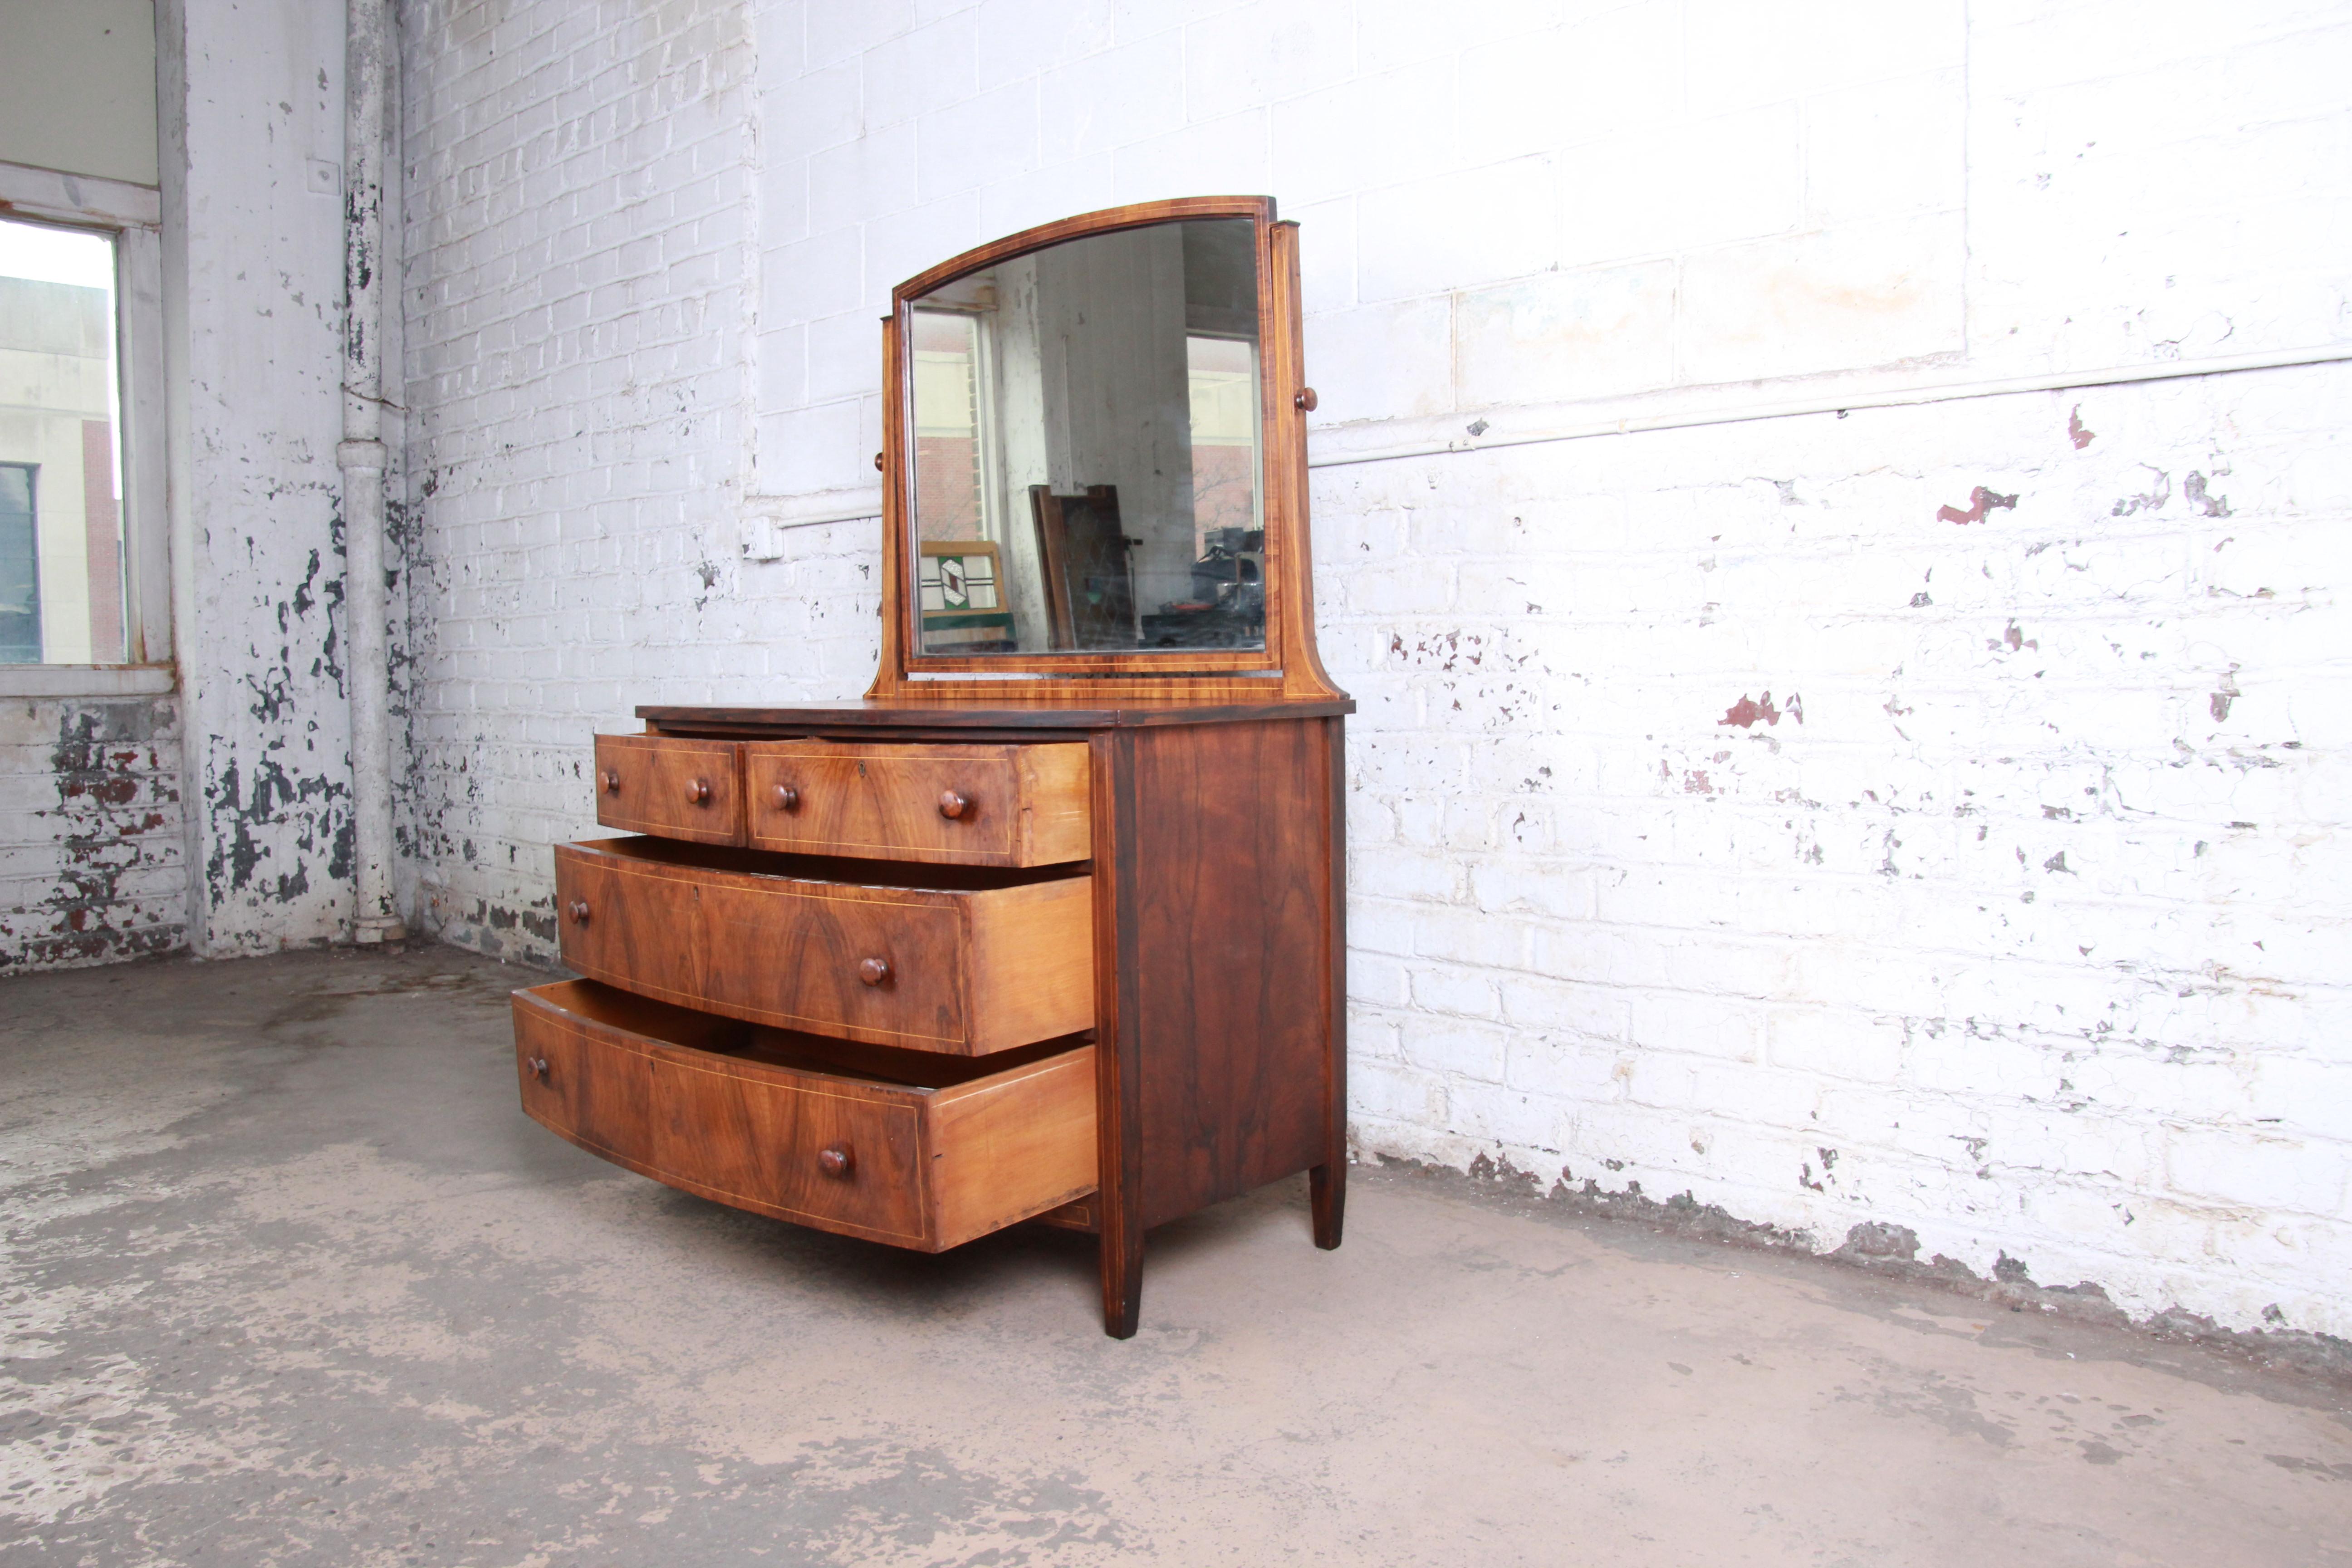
(942, 958)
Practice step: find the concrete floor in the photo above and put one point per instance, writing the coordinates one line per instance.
(288, 1278)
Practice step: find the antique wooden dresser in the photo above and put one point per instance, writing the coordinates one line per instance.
(1049, 925)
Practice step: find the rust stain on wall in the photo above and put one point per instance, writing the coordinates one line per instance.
(1981, 501)
(1747, 710)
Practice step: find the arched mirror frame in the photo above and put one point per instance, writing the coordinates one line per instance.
(1285, 669)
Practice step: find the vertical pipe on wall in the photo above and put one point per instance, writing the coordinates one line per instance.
(179, 445)
(360, 457)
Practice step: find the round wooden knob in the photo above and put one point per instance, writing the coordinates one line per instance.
(787, 798)
(874, 971)
(578, 909)
(953, 805)
(837, 1160)
(612, 781)
(1306, 400)
(697, 792)
(538, 1065)
(878, 462)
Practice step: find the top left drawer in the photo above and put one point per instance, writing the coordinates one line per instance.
(671, 787)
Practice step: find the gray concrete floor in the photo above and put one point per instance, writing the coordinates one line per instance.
(288, 1278)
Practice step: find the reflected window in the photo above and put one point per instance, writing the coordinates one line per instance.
(947, 494)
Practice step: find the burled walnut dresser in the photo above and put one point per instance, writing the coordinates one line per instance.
(1048, 926)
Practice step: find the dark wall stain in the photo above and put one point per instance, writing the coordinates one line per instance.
(2153, 498)
(1981, 501)
(1885, 1248)
(2076, 430)
(117, 814)
(2014, 639)
(1747, 711)
(2193, 491)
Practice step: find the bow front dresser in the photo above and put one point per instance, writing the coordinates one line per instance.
(1048, 925)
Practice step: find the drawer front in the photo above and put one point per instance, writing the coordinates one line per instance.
(671, 787)
(655, 1088)
(618, 925)
(795, 955)
(942, 805)
(737, 1132)
(969, 972)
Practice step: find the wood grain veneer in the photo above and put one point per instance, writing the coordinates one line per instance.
(680, 788)
(972, 961)
(1012, 804)
(749, 1116)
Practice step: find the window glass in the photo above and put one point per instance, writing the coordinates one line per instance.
(60, 506)
(20, 568)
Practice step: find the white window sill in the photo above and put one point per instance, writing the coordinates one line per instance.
(87, 679)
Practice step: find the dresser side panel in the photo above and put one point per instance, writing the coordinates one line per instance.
(1229, 917)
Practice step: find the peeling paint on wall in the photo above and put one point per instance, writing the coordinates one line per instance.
(94, 872)
(270, 774)
(2032, 923)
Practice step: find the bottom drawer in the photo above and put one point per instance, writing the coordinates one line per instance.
(907, 1147)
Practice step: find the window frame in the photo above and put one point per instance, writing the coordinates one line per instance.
(131, 215)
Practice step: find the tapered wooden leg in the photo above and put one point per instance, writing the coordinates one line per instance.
(1117, 1084)
(1327, 1190)
(1327, 1183)
(1122, 1282)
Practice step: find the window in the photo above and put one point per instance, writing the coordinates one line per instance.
(20, 567)
(60, 508)
(85, 579)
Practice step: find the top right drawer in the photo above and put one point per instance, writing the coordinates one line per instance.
(949, 804)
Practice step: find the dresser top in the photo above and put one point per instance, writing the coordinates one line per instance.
(902, 713)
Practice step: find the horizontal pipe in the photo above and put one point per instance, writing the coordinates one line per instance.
(1940, 392)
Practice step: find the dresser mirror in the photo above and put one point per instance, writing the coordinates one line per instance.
(1085, 414)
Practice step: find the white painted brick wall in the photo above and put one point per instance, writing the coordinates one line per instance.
(248, 766)
(578, 253)
(2044, 952)
(92, 831)
(2026, 934)
(260, 655)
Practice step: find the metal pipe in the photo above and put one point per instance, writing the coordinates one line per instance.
(360, 456)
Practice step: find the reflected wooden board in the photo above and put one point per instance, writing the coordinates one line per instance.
(1089, 583)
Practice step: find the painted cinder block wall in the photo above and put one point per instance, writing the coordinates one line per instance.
(1898, 781)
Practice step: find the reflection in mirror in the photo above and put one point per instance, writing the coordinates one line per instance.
(1088, 477)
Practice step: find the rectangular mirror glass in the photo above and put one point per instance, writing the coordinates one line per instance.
(1086, 474)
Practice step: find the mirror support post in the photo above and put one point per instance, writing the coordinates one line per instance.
(890, 674)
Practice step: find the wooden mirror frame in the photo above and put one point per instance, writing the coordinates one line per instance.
(1285, 669)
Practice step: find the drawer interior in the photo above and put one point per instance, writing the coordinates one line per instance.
(659, 1021)
(832, 867)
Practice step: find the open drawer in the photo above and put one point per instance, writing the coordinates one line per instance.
(933, 958)
(674, 786)
(917, 1150)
